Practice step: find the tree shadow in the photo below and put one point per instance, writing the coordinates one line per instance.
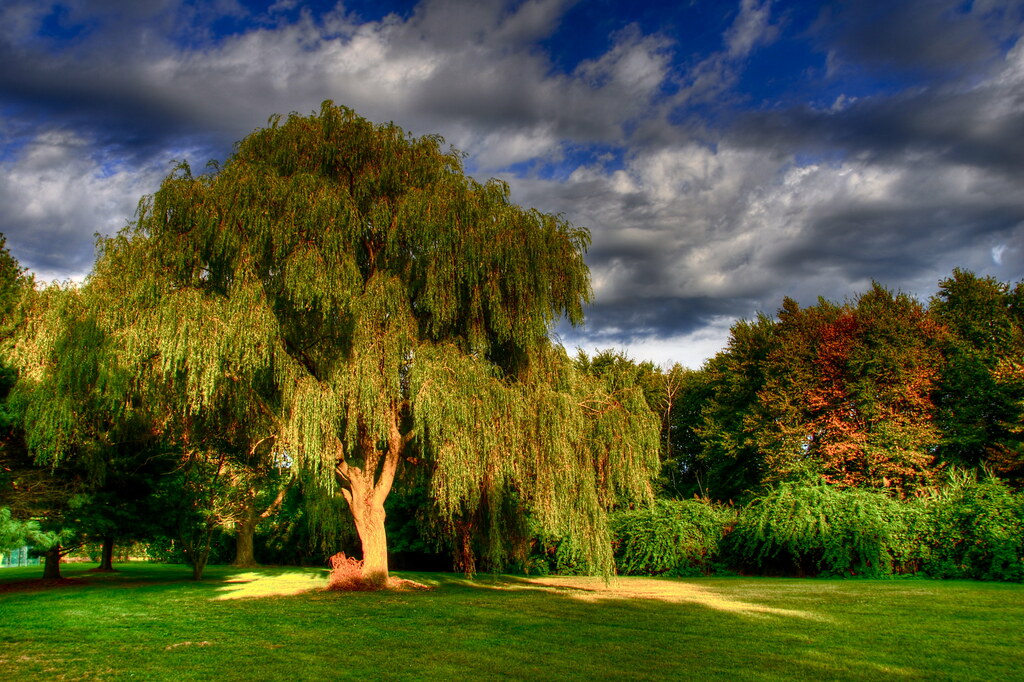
(667, 590)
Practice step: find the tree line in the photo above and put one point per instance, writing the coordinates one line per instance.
(879, 392)
(339, 337)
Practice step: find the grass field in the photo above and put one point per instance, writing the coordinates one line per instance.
(150, 622)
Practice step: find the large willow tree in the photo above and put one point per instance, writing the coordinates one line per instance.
(353, 287)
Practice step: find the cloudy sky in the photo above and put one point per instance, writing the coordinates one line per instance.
(723, 154)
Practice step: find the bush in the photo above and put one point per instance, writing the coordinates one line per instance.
(671, 537)
(816, 529)
(975, 530)
(347, 575)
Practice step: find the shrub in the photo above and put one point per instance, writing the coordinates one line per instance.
(812, 529)
(671, 537)
(347, 575)
(976, 530)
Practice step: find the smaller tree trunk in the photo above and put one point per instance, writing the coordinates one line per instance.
(245, 531)
(107, 554)
(51, 568)
(197, 550)
(199, 565)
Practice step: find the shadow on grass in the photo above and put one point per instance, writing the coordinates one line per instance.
(596, 589)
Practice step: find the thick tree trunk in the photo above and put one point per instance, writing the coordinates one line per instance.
(367, 488)
(245, 530)
(107, 554)
(51, 569)
(370, 526)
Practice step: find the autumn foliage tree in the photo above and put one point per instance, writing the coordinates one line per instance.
(348, 291)
(840, 393)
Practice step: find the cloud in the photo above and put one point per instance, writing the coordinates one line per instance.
(56, 195)
(751, 28)
(979, 124)
(701, 208)
(936, 39)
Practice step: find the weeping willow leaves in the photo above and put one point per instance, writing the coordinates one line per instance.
(348, 287)
(555, 444)
(812, 527)
(671, 537)
(71, 395)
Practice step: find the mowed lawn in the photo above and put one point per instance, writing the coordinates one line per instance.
(150, 622)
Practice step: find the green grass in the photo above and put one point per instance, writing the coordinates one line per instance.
(150, 622)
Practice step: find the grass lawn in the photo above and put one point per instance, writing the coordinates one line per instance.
(150, 622)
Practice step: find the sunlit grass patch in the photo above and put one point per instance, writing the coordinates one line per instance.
(258, 583)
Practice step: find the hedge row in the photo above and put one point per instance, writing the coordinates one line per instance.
(969, 529)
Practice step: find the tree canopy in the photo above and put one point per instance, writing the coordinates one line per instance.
(346, 292)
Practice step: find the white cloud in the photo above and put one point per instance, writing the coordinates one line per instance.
(56, 195)
(750, 29)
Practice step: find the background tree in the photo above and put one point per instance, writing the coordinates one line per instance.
(732, 462)
(685, 469)
(376, 304)
(70, 404)
(835, 392)
(979, 394)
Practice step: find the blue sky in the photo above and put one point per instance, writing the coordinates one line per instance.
(723, 154)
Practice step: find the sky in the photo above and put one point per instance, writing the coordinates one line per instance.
(724, 154)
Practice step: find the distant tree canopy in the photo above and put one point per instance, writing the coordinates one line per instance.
(879, 392)
(345, 294)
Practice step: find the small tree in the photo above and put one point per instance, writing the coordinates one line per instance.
(377, 306)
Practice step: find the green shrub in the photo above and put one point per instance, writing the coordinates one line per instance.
(976, 530)
(675, 538)
(816, 529)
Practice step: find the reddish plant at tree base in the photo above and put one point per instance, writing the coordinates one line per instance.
(347, 575)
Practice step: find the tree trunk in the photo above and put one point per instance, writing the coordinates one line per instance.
(245, 531)
(367, 488)
(107, 554)
(370, 526)
(51, 569)
(198, 566)
(197, 550)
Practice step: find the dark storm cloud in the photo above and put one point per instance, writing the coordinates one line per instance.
(118, 112)
(880, 243)
(938, 38)
(983, 127)
(624, 322)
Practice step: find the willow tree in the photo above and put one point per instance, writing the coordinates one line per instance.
(350, 283)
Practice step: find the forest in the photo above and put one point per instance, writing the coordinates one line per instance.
(337, 341)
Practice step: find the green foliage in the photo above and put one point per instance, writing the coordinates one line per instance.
(346, 292)
(975, 530)
(730, 458)
(812, 529)
(685, 471)
(841, 392)
(981, 388)
(671, 537)
(14, 533)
